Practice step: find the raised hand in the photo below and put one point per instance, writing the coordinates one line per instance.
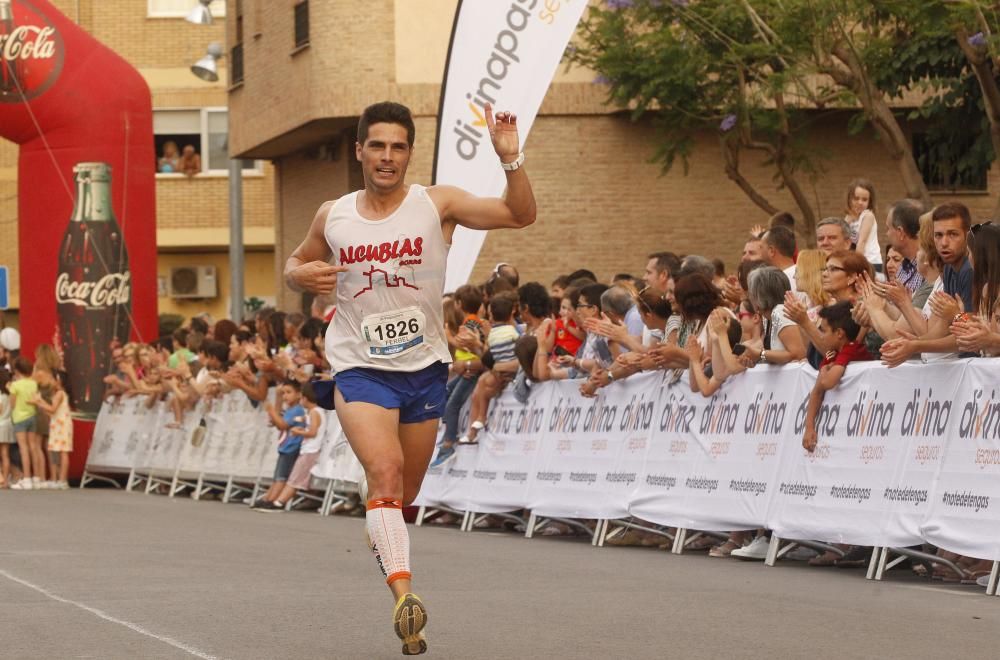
(794, 309)
(503, 132)
(316, 276)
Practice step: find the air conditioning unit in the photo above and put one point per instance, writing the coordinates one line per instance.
(193, 282)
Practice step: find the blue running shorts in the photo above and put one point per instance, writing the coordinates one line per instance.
(418, 395)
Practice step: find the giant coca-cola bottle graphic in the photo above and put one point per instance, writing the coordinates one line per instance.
(93, 288)
(8, 66)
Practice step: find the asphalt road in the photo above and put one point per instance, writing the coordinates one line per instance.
(106, 574)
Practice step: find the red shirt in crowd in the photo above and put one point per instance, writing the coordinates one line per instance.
(851, 352)
(567, 339)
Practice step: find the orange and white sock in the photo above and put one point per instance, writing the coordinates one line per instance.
(389, 539)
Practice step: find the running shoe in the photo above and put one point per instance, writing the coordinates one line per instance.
(408, 620)
(446, 452)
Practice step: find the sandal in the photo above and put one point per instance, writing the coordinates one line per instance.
(704, 543)
(725, 549)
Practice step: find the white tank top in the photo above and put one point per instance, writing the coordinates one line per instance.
(389, 314)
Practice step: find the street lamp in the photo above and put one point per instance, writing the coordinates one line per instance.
(207, 68)
(201, 15)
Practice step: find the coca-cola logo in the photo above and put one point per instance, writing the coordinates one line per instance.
(31, 52)
(112, 289)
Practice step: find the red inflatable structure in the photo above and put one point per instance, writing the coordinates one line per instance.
(86, 196)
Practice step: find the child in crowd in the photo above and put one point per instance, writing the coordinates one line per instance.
(500, 344)
(60, 443)
(837, 325)
(291, 423)
(861, 219)
(312, 443)
(569, 336)
(6, 428)
(23, 416)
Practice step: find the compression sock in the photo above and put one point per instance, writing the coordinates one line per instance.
(388, 538)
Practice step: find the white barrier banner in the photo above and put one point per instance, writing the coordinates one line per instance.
(503, 53)
(593, 449)
(117, 423)
(712, 462)
(852, 488)
(337, 461)
(508, 448)
(964, 508)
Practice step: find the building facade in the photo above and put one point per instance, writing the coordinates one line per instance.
(308, 68)
(192, 212)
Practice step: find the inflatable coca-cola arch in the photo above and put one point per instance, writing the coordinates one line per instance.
(86, 195)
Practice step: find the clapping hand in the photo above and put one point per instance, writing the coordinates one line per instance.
(972, 334)
(945, 306)
(795, 310)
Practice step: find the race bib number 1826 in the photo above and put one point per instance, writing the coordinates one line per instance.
(393, 333)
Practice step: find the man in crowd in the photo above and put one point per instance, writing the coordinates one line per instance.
(832, 235)
(660, 269)
(952, 222)
(753, 250)
(386, 342)
(779, 251)
(903, 229)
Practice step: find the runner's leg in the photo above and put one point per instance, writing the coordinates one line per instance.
(417, 441)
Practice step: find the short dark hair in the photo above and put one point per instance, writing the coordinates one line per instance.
(838, 315)
(744, 270)
(215, 349)
(950, 210)
(905, 215)
(292, 383)
(666, 262)
(387, 112)
(308, 392)
(593, 293)
(696, 296)
(524, 349)
(562, 282)
(534, 297)
(311, 329)
(199, 324)
(781, 239)
(582, 273)
(782, 219)
(23, 365)
(469, 298)
(180, 335)
(502, 306)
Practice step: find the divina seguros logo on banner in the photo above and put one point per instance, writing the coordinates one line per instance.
(470, 134)
(31, 52)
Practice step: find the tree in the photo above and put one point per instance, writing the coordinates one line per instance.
(764, 70)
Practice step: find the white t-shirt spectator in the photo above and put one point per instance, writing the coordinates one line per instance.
(314, 444)
(790, 273)
(778, 323)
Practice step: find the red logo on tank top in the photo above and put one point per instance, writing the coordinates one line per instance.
(391, 281)
(382, 252)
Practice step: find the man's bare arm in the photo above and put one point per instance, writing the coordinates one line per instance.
(308, 268)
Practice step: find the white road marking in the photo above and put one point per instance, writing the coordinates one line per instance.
(107, 617)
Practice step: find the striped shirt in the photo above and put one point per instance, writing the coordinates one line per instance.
(908, 275)
(501, 342)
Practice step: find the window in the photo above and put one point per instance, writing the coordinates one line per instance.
(302, 24)
(181, 8)
(236, 65)
(204, 130)
(943, 170)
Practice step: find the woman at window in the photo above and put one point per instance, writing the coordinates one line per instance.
(169, 163)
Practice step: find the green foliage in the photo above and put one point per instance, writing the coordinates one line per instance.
(688, 65)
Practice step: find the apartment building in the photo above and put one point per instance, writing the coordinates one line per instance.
(304, 70)
(192, 211)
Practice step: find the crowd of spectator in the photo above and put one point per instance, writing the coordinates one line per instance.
(931, 293)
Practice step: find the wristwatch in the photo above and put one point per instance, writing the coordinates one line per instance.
(763, 356)
(516, 164)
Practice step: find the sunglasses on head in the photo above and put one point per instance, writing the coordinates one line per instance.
(975, 228)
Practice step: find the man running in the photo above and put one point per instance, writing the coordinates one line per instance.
(386, 343)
